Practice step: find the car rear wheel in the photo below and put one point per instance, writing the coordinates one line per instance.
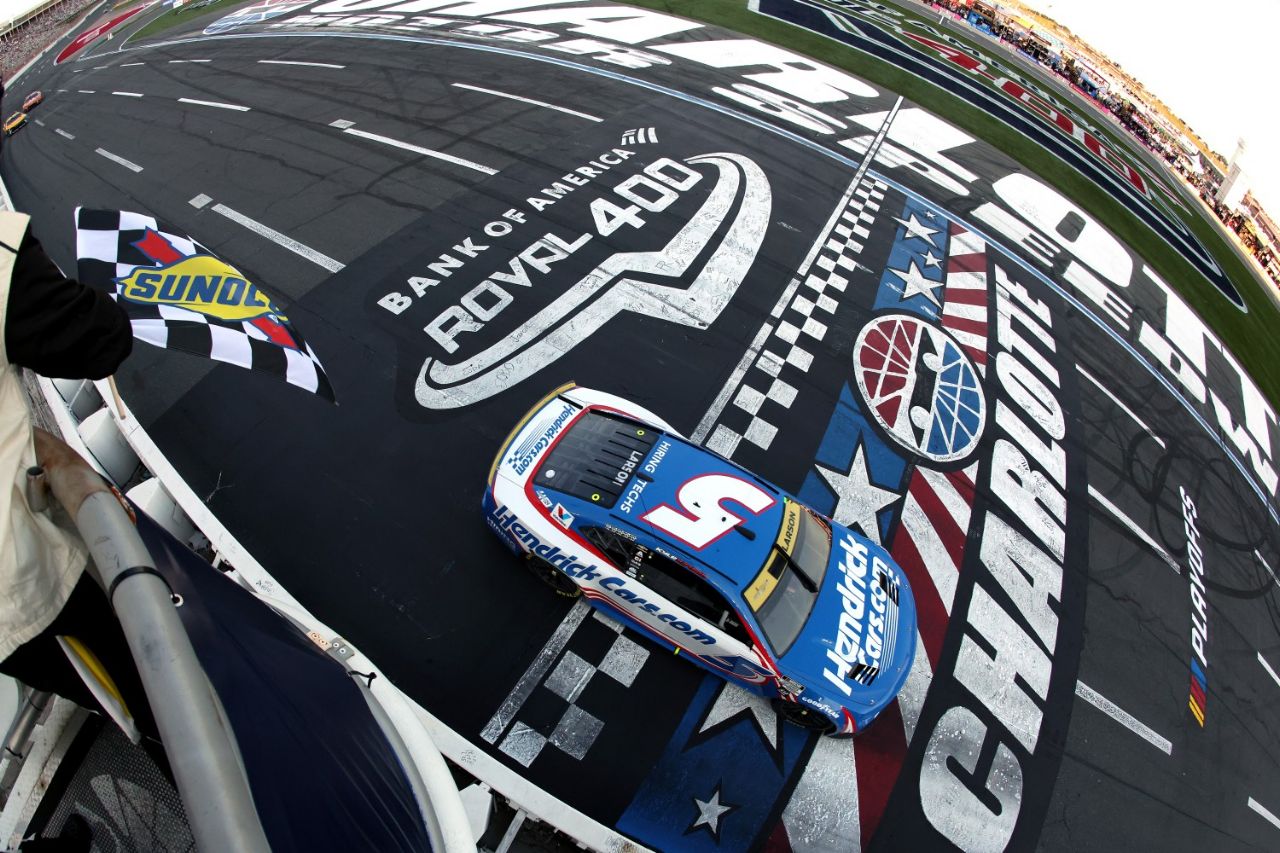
(804, 717)
(561, 583)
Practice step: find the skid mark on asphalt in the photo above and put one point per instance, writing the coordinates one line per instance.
(1120, 405)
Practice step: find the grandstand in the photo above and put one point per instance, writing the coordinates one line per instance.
(24, 35)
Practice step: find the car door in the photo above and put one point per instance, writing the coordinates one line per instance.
(679, 591)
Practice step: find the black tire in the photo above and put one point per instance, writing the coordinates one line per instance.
(805, 717)
(559, 582)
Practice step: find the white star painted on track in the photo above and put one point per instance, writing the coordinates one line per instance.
(931, 214)
(857, 499)
(914, 283)
(733, 701)
(709, 813)
(916, 228)
(930, 260)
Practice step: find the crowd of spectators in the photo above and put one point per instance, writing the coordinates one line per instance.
(22, 43)
(982, 16)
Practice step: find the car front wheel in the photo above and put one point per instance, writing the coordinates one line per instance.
(804, 717)
(561, 583)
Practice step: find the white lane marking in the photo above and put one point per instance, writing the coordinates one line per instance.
(279, 239)
(128, 94)
(309, 64)
(132, 64)
(533, 675)
(1122, 717)
(1135, 529)
(1267, 566)
(1128, 411)
(536, 103)
(180, 61)
(200, 201)
(342, 124)
(1268, 668)
(86, 91)
(63, 133)
(100, 67)
(220, 106)
(1262, 810)
(426, 152)
(39, 122)
(133, 167)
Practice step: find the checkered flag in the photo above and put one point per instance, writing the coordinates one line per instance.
(179, 295)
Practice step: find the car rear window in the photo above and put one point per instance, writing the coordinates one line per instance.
(595, 459)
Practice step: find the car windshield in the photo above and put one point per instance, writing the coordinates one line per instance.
(783, 594)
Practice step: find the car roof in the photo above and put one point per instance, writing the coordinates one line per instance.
(623, 477)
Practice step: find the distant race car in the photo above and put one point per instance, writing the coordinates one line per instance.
(14, 122)
(604, 498)
(33, 100)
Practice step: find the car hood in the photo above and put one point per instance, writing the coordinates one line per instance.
(660, 480)
(859, 642)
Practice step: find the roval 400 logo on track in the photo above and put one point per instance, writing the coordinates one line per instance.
(671, 239)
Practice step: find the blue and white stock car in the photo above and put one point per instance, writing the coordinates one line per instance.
(604, 499)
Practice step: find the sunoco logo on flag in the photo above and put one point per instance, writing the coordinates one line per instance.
(179, 295)
(200, 283)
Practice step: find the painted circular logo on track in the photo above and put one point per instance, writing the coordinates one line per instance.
(920, 386)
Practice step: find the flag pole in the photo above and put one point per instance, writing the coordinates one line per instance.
(115, 393)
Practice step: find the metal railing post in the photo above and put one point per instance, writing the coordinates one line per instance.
(197, 738)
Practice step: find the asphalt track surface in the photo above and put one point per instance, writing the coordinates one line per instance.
(1049, 705)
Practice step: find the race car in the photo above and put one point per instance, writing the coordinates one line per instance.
(14, 122)
(603, 498)
(33, 100)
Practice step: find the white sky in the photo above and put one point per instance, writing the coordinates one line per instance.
(1212, 63)
(14, 8)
